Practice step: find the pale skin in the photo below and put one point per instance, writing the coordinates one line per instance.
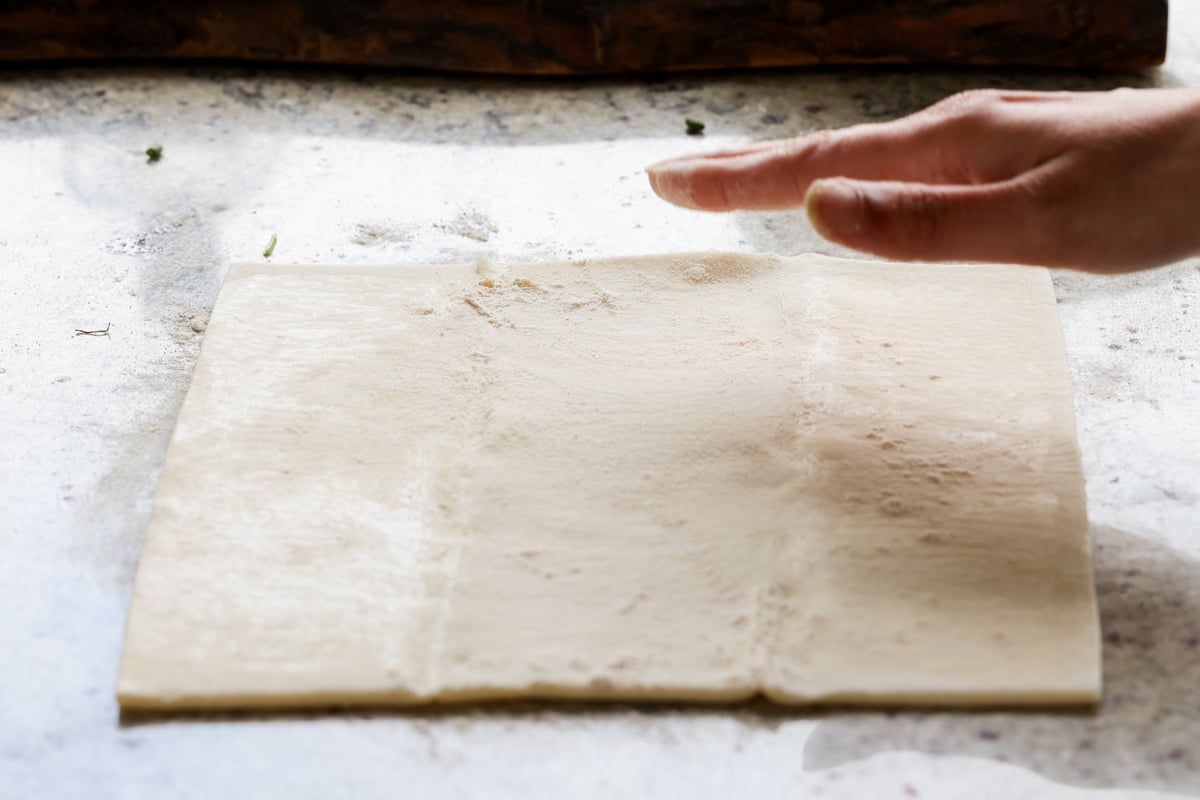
(1104, 182)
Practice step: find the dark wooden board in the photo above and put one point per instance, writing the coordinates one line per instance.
(593, 36)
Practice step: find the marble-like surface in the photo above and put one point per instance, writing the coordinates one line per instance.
(362, 167)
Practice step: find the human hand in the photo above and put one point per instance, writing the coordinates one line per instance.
(1097, 181)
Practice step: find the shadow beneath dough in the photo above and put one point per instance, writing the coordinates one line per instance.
(1138, 739)
(1142, 736)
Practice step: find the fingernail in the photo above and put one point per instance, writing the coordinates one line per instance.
(835, 207)
(671, 182)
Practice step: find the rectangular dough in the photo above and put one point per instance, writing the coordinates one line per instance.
(696, 477)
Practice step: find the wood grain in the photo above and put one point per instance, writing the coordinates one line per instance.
(593, 36)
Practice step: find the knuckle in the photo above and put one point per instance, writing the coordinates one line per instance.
(804, 148)
(1057, 190)
(969, 100)
(800, 158)
(974, 98)
(1057, 225)
(971, 110)
(921, 222)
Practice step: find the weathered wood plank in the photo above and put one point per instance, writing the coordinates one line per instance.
(593, 36)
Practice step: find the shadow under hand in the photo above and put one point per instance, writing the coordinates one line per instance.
(1143, 735)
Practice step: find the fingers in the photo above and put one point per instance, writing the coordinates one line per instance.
(908, 222)
(776, 175)
(965, 138)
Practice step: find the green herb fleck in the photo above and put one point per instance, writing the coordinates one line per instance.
(694, 126)
(153, 153)
(270, 246)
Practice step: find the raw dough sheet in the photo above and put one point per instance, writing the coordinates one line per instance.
(697, 477)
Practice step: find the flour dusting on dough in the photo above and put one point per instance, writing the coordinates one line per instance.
(684, 477)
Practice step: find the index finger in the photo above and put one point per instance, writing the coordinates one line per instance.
(777, 174)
